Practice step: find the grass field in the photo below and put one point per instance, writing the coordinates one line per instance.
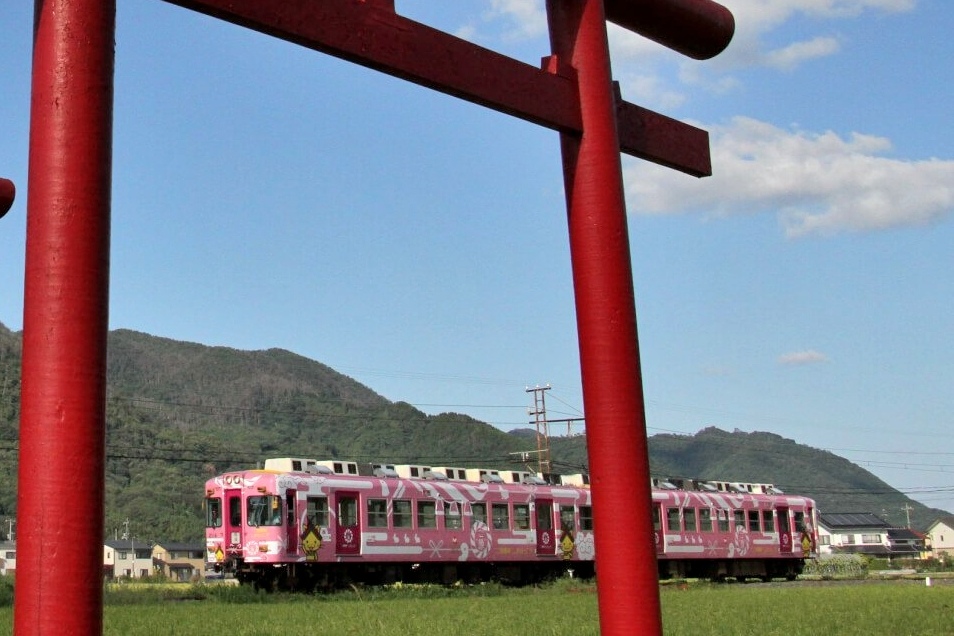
(842, 608)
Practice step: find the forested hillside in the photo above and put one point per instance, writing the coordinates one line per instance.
(179, 412)
(834, 482)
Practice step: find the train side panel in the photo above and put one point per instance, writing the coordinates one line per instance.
(276, 527)
(714, 535)
(260, 519)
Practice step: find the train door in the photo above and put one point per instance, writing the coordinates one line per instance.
(658, 537)
(291, 522)
(233, 521)
(546, 541)
(784, 530)
(347, 526)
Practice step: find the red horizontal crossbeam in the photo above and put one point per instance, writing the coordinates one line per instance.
(372, 34)
(698, 28)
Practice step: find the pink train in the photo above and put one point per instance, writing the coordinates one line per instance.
(301, 524)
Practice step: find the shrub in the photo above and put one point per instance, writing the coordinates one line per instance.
(6, 591)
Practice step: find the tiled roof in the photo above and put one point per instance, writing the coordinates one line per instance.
(178, 546)
(840, 520)
(126, 544)
(904, 534)
(947, 521)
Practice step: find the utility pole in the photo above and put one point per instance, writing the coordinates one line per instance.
(539, 414)
(907, 512)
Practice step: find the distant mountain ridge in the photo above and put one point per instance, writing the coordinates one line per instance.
(180, 412)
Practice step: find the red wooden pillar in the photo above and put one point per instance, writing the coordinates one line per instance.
(606, 322)
(65, 321)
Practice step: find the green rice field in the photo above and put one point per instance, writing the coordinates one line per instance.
(565, 607)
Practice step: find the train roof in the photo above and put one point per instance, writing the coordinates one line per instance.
(489, 475)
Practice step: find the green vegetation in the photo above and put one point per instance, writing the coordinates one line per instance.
(566, 607)
(178, 413)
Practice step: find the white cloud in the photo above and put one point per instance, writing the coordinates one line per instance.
(525, 18)
(650, 74)
(789, 57)
(756, 19)
(817, 184)
(809, 356)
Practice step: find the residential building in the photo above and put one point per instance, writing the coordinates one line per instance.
(867, 533)
(127, 558)
(179, 561)
(853, 533)
(905, 543)
(940, 535)
(8, 557)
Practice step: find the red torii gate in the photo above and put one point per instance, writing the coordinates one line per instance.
(67, 257)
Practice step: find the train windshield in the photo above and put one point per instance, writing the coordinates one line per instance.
(213, 512)
(264, 510)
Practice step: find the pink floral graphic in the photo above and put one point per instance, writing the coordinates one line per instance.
(480, 540)
(585, 548)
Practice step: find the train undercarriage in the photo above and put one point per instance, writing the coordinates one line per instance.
(724, 569)
(331, 576)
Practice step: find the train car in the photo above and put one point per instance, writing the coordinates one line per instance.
(711, 533)
(301, 524)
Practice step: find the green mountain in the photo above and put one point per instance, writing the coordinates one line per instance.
(836, 484)
(178, 413)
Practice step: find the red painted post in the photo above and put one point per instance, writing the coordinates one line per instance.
(65, 321)
(606, 322)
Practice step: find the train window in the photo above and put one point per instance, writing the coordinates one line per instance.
(723, 517)
(213, 512)
(479, 512)
(317, 511)
(347, 511)
(264, 510)
(768, 521)
(426, 514)
(689, 519)
(521, 516)
(753, 520)
(738, 518)
(377, 513)
(672, 520)
(452, 520)
(567, 519)
(402, 514)
(799, 522)
(235, 511)
(657, 522)
(586, 517)
(500, 513)
(705, 520)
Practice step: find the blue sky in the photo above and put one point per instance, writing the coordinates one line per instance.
(269, 196)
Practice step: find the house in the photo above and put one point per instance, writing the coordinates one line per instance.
(8, 557)
(853, 533)
(905, 543)
(179, 561)
(940, 535)
(127, 558)
(867, 533)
